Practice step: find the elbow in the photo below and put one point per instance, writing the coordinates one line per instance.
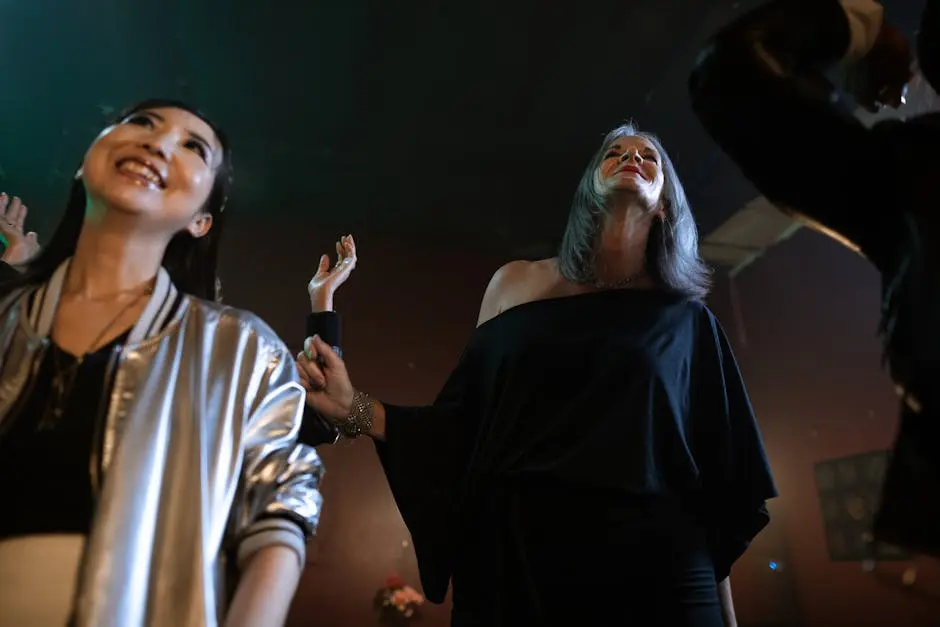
(291, 504)
(289, 520)
(298, 495)
(269, 533)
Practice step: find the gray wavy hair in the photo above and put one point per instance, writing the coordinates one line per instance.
(672, 256)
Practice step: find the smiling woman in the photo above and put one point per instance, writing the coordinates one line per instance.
(153, 468)
(183, 212)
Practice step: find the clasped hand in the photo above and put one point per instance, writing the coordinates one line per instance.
(324, 376)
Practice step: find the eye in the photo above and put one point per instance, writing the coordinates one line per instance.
(140, 119)
(199, 148)
(611, 154)
(651, 157)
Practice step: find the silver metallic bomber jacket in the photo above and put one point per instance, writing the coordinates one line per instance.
(196, 457)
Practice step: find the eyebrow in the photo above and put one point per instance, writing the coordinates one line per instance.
(647, 149)
(192, 134)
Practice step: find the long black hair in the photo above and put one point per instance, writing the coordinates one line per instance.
(192, 262)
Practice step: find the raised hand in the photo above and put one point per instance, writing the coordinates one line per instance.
(326, 281)
(880, 78)
(324, 375)
(20, 246)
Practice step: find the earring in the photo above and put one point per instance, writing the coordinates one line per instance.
(79, 173)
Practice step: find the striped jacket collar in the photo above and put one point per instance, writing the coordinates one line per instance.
(164, 301)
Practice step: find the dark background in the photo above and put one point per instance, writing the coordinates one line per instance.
(470, 119)
(449, 137)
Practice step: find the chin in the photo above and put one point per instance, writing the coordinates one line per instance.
(628, 186)
(129, 197)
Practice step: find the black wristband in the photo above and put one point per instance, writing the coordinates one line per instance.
(328, 325)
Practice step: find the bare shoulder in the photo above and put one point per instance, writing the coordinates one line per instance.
(513, 284)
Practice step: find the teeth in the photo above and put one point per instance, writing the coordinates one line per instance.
(140, 169)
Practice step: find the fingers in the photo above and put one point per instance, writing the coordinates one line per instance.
(311, 374)
(12, 212)
(345, 261)
(13, 209)
(324, 265)
(304, 377)
(19, 216)
(317, 350)
(349, 246)
(346, 253)
(340, 252)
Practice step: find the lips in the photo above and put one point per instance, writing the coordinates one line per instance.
(143, 171)
(634, 169)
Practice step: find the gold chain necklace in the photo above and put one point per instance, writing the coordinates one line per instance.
(63, 379)
(616, 285)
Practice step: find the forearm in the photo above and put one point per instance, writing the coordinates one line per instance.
(321, 301)
(865, 19)
(266, 588)
(757, 86)
(727, 603)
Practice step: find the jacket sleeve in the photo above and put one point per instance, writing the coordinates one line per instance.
(760, 92)
(280, 479)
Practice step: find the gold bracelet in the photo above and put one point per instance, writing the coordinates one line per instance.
(359, 420)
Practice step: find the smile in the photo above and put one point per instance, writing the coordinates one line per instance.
(632, 169)
(141, 172)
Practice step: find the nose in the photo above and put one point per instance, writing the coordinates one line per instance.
(154, 149)
(159, 144)
(631, 154)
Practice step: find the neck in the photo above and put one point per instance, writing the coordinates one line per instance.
(109, 260)
(621, 250)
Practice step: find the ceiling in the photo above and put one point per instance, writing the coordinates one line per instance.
(468, 120)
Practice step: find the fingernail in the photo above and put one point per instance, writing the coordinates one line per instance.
(307, 344)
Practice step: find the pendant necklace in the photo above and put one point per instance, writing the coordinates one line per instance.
(64, 375)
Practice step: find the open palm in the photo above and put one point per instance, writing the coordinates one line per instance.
(20, 245)
(327, 280)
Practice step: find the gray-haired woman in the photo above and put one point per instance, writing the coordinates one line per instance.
(594, 458)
